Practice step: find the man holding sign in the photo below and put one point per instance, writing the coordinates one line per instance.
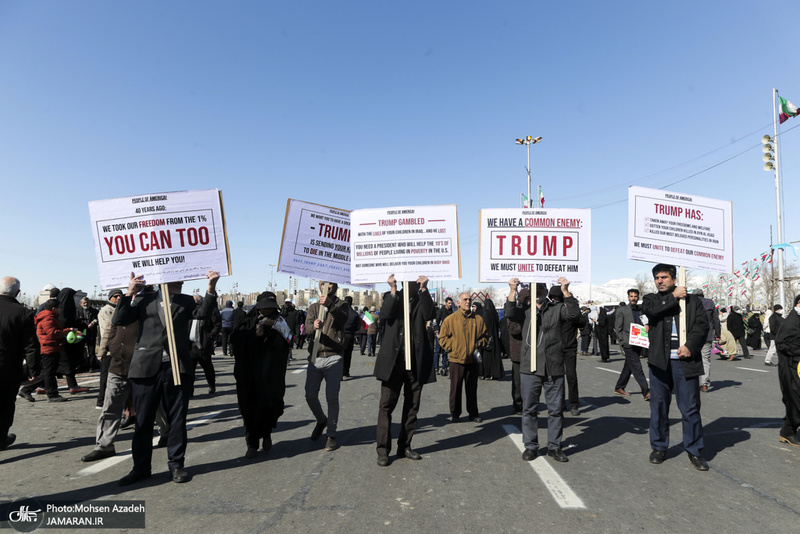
(325, 321)
(675, 364)
(390, 366)
(548, 371)
(151, 373)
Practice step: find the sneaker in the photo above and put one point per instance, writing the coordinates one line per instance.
(331, 445)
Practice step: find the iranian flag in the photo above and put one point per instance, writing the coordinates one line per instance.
(788, 110)
(541, 195)
(368, 318)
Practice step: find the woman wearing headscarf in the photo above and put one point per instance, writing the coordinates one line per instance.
(754, 329)
(492, 364)
(71, 353)
(262, 343)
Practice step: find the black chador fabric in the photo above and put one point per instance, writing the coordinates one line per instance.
(260, 373)
(492, 365)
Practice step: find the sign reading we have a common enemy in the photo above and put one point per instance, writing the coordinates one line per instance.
(408, 242)
(166, 237)
(535, 245)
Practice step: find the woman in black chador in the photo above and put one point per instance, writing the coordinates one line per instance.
(492, 364)
(261, 341)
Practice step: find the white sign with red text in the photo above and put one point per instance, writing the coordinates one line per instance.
(681, 229)
(316, 242)
(535, 245)
(407, 241)
(166, 237)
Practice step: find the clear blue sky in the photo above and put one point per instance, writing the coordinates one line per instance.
(370, 104)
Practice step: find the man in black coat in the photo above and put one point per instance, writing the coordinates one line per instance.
(17, 343)
(390, 365)
(601, 333)
(787, 342)
(736, 328)
(675, 367)
(150, 372)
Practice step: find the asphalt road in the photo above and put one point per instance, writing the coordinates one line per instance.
(471, 478)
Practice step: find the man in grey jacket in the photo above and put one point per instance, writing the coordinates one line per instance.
(625, 316)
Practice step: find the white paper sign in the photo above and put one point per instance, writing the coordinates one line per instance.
(405, 241)
(684, 230)
(638, 337)
(316, 242)
(167, 237)
(535, 245)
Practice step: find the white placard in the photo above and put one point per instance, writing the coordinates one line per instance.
(315, 242)
(166, 237)
(536, 245)
(638, 336)
(405, 241)
(681, 229)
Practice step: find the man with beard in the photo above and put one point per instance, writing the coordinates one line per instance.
(390, 365)
(675, 367)
(261, 349)
(549, 372)
(627, 315)
(151, 370)
(515, 322)
(17, 342)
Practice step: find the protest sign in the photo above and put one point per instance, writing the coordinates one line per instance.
(680, 229)
(407, 242)
(535, 245)
(638, 336)
(315, 242)
(166, 237)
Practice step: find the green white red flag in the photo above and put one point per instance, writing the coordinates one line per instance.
(788, 110)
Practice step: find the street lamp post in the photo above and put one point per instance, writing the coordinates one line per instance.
(528, 141)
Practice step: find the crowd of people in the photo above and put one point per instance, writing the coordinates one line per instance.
(147, 378)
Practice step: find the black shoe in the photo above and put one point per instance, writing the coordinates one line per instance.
(476, 419)
(267, 443)
(251, 453)
(212, 390)
(383, 460)
(27, 396)
(791, 440)
(698, 462)
(57, 398)
(657, 457)
(575, 411)
(162, 442)
(530, 455)
(557, 455)
(133, 477)
(6, 443)
(318, 428)
(179, 475)
(410, 453)
(127, 421)
(768, 364)
(455, 419)
(97, 455)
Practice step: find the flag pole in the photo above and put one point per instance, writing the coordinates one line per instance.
(781, 287)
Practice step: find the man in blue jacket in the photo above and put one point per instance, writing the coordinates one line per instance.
(675, 366)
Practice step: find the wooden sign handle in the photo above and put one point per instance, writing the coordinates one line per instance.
(682, 319)
(407, 325)
(534, 316)
(318, 333)
(173, 353)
